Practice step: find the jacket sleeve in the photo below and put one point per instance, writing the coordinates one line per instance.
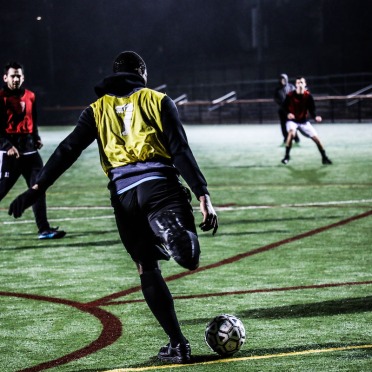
(69, 150)
(5, 144)
(311, 106)
(35, 129)
(278, 96)
(178, 146)
(286, 104)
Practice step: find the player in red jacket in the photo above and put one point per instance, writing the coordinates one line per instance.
(298, 104)
(20, 142)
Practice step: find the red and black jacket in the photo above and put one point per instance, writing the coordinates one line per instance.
(18, 117)
(300, 105)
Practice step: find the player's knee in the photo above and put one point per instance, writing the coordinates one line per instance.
(147, 266)
(183, 245)
(186, 250)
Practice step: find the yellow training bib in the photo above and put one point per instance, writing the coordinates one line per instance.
(129, 128)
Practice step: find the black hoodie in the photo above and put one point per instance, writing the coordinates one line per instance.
(85, 132)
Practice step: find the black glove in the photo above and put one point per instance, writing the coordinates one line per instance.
(23, 201)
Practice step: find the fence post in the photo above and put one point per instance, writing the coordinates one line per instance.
(260, 112)
(359, 110)
(332, 110)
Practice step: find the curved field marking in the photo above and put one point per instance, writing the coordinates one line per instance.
(112, 330)
(109, 298)
(106, 338)
(242, 359)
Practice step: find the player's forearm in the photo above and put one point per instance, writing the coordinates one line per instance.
(68, 151)
(5, 144)
(190, 172)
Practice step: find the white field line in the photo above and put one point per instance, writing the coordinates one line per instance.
(295, 205)
(219, 209)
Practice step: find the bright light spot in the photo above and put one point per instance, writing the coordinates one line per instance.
(39, 18)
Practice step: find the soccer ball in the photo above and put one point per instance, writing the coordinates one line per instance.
(225, 334)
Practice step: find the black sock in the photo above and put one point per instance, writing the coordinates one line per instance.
(321, 150)
(287, 151)
(160, 302)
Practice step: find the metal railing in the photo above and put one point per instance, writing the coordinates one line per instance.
(240, 111)
(245, 111)
(358, 92)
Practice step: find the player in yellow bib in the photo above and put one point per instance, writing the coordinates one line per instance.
(143, 150)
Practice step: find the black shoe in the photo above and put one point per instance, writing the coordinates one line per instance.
(325, 160)
(285, 160)
(52, 233)
(180, 354)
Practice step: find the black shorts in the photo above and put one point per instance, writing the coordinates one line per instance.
(137, 210)
(11, 168)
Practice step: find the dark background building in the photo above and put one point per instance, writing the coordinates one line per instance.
(199, 47)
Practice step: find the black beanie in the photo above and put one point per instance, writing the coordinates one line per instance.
(129, 62)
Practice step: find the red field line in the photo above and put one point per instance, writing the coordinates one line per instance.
(103, 301)
(249, 291)
(111, 330)
(112, 327)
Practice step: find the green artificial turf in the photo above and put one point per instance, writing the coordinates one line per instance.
(291, 259)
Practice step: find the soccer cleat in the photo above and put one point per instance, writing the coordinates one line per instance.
(285, 160)
(325, 160)
(52, 233)
(180, 354)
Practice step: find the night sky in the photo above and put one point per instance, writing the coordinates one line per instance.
(183, 42)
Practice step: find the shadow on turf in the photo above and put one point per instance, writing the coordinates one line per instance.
(310, 175)
(325, 308)
(266, 232)
(64, 242)
(61, 243)
(279, 219)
